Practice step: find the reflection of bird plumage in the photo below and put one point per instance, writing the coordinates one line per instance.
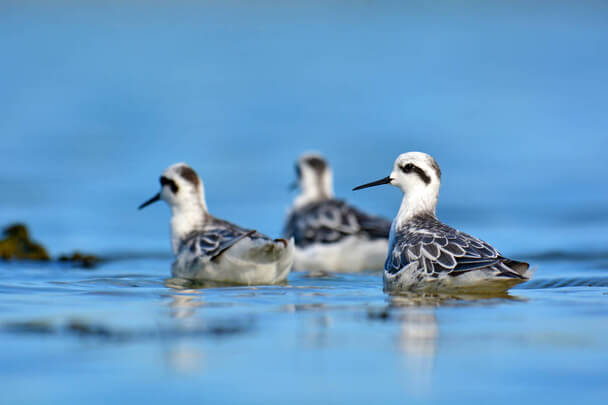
(330, 234)
(425, 253)
(208, 248)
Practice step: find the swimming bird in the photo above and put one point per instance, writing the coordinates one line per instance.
(209, 248)
(331, 235)
(426, 254)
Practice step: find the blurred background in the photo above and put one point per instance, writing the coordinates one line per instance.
(98, 98)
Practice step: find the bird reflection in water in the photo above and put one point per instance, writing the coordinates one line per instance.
(184, 304)
(419, 329)
(417, 340)
(181, 354)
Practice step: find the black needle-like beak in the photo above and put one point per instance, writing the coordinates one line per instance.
(150, 201)
(385, 180)
(293, 185)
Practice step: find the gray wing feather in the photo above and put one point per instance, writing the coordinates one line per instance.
(217, 237)
(439, 248)
(329, 221)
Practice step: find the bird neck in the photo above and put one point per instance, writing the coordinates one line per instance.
(187, 216)
(315, 189)
(414, 203)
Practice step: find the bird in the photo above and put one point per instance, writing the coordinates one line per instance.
(212, 249)
(427, 255)
(331, 235)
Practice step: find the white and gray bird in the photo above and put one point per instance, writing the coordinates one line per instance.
(331, 235)
(211, 249)
(426, 254)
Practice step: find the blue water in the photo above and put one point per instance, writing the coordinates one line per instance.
(98, 98)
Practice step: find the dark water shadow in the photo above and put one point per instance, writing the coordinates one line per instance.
(186, 284)
(561, 282)
(84, 329)
(564, 255)
(83, 262)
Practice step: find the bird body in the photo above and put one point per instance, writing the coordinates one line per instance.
(330, 234)
(211, 249)
(426, 254)
(223, 252)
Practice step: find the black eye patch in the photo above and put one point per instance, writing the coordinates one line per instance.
(168, 182)
(408, 168)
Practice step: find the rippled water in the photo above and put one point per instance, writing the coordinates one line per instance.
(99, 98)
(124, 332)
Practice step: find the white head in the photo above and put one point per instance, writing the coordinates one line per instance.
(419, 177)
(315, 179)
(183, 191)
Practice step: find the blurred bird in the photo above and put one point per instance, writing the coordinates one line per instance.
(331, 235)
(426, 254)
(208, 248)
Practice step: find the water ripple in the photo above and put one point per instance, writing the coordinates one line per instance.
(560, 282)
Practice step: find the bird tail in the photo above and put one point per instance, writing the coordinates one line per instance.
(277, 249)
(517, 269)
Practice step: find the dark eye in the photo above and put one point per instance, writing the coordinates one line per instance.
(407, 168)
(168, 182)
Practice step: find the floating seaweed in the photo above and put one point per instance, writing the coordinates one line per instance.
(17, 245)
(79, 259)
